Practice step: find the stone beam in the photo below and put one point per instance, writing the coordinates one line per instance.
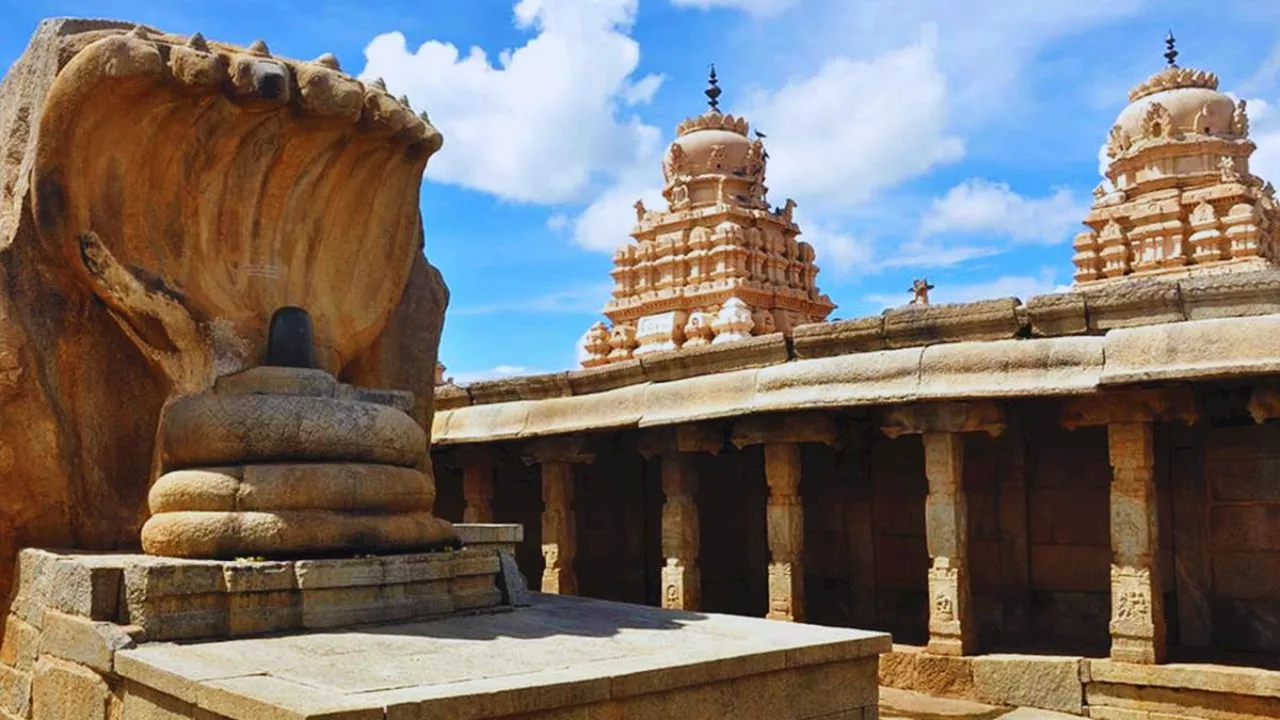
(944, 417)
(697, 437)
(815, 427)
(1147, 405)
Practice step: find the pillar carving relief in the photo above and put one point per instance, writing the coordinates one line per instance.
(681, 577)
(941, 426)
(557, 457)
(781, 436)
(1137, 601)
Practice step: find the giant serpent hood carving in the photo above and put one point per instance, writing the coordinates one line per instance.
(161, 197)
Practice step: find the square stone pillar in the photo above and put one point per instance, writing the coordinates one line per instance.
(785, 515)
(681, 578)
(951, 627)
(559, 529)
(477, 483)
(1137, 595)
(781, 436)
(557, 457)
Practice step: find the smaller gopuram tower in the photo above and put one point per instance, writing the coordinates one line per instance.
(1182, 200)
(717, 264)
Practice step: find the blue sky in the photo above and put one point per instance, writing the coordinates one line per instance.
(954, 139)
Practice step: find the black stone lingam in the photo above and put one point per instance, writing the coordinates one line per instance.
(289, 339)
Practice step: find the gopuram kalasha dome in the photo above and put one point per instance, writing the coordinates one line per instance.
(716, 265)
(1181, 199)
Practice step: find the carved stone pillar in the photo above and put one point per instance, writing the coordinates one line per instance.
(1137, 594)
(681, 578)
(786, 532)
(557, 456)
(477, 483)
(781, 435)
(951, 627)
(1137, 607)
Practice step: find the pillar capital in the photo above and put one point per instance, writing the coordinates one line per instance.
(1146, 405)
(695, 437)
(1264, 402)
(815, 427)
(944, 417)
(561, 448)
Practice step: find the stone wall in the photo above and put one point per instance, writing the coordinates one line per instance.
(1242, 485)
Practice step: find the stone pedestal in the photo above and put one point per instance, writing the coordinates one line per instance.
(951, 628)
(786, 532)
(1137, 605)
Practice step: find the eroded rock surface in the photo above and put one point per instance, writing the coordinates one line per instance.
(160, 198)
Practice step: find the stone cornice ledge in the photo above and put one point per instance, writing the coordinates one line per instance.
(1035, 367)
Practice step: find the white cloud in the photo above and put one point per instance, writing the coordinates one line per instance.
(582, 299)
(557, 222)
(980, 206)
(1264, 130)
(839, 253)
(604, 225)
(495, 373)
(759, 8)
(543, 122)
(1019, 286)
(856, 127)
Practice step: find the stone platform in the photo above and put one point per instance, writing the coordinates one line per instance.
(409, 637)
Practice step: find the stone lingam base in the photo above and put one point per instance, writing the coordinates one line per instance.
(92, 637)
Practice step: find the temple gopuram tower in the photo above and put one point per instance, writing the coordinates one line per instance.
(717, 264)
(1182, 200)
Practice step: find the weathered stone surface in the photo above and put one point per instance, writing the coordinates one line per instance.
(1132, 303)
(271, 380)
(841, 337)
(610, 660)
(1051, 683)
(1057, 314)
(1008, 368)
(511, 581)
(754, 352)
(528, 387)
(215, 430)
(351, 487)
(910, 668)
(448, 397)
(62, 690)
(605, 377)
(1194, 350)
(913, 325)
(20, 645)
(111, 296)
(87, 642)
(1231, 295)
(490, 533)
(210, 534)
(860, 379)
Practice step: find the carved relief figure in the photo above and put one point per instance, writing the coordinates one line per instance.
(1227, 169)
(1118, 142)
(920, 291)
(1157, 123)
(1240, 119)
(787, 210)
(640, 210)
(675, 163)
(715, 158)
